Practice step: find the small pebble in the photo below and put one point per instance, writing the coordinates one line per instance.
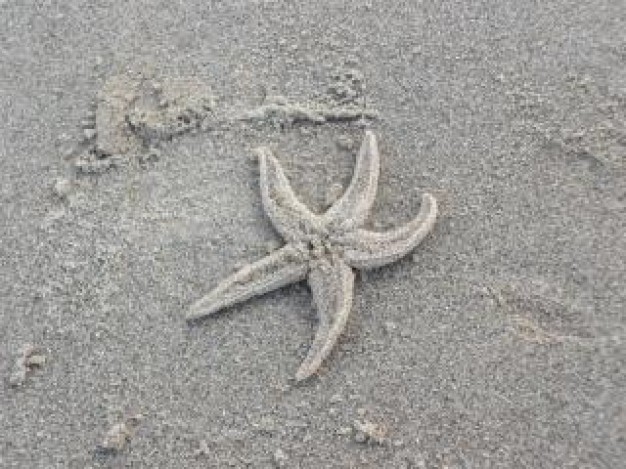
(36, 360)
(116, 438)
(368, 431)
(62, 187)
(120, 434)
(29, 357)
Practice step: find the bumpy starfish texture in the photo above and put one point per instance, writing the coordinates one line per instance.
(322, 248)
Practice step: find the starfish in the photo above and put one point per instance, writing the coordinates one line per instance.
(322, 248)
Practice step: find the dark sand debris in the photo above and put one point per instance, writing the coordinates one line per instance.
(370, 432)
(119, 435)
(30, 357)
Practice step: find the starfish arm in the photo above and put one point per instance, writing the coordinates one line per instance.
(367, 249)
(280, 268)
(332, 284)
(290, 217)
(355, 204)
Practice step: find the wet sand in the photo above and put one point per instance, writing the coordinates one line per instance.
(128, 189)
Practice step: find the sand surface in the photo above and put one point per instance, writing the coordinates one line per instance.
(128, 190)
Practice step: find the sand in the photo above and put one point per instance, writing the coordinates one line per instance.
(128, 189)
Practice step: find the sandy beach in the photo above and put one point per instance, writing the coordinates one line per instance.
(129, 188)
